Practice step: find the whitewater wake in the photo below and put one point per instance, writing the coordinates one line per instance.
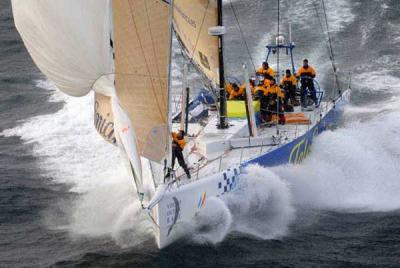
(261, 208)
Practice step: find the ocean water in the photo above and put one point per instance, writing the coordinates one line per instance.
(65, 200)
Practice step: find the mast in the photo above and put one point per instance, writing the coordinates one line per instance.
(277, 63)
(168, 149)
(222, 95)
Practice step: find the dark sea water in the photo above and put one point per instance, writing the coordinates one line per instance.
(64, 201)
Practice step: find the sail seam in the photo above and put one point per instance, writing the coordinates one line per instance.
(154, 51)
(144, 56)
(200, 29)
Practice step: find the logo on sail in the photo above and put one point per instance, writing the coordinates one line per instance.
(103, 119)
(204, 60)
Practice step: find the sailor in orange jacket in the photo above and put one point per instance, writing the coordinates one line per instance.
(289, 85)
(235, 92)
(271, 102)
(178, 144)
(266, 71)
(307, 74)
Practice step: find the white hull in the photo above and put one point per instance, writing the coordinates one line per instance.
(181, 203)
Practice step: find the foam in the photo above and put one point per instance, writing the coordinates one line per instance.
(260, 208)
(70, 151)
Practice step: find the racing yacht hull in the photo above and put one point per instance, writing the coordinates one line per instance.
(180, 204)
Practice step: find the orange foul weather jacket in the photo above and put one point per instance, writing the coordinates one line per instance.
(274, 90)
(267, 72)
(234, 94)
(291, 80)
(309, 71)
(181, 142)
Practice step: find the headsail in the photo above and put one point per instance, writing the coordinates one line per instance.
(192, 20)
(121, 50)
(69, 40)
(142, 50)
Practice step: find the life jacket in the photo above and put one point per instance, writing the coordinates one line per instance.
(309, 71)
(268, 73)
(180, 142)
(289, 81)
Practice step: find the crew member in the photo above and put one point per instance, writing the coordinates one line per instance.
(307, 74)
(272, 103)
(251, 85)
(258, 92)
(178, 144)
(235, 92)
(289, 84)
(266, 71)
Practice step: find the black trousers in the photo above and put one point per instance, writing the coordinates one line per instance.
(177, 154)
(308, 83)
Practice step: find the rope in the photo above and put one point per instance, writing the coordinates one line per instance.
(331, 47)
(329, 43)
(242, 35)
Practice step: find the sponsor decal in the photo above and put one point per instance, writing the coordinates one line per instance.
(204, 61)
(125, 129)
(176, 209)
(188, 19)
(302, 148)
(202, 200)
(228, 183)
(103, 126)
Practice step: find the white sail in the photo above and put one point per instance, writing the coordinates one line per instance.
(69, 40)
(119, 50)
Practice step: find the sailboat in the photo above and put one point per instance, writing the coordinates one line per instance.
(121, 50)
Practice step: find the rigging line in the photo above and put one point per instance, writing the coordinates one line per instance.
(144, 56)
(190, 55)
(155, 54)
(204, 77)
(242, 35)
(322, 27)
(329, 43)
(277, 61)
(331, 47)
(328, 32)
(185, 55)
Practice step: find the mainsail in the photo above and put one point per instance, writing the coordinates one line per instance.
(192, 21)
